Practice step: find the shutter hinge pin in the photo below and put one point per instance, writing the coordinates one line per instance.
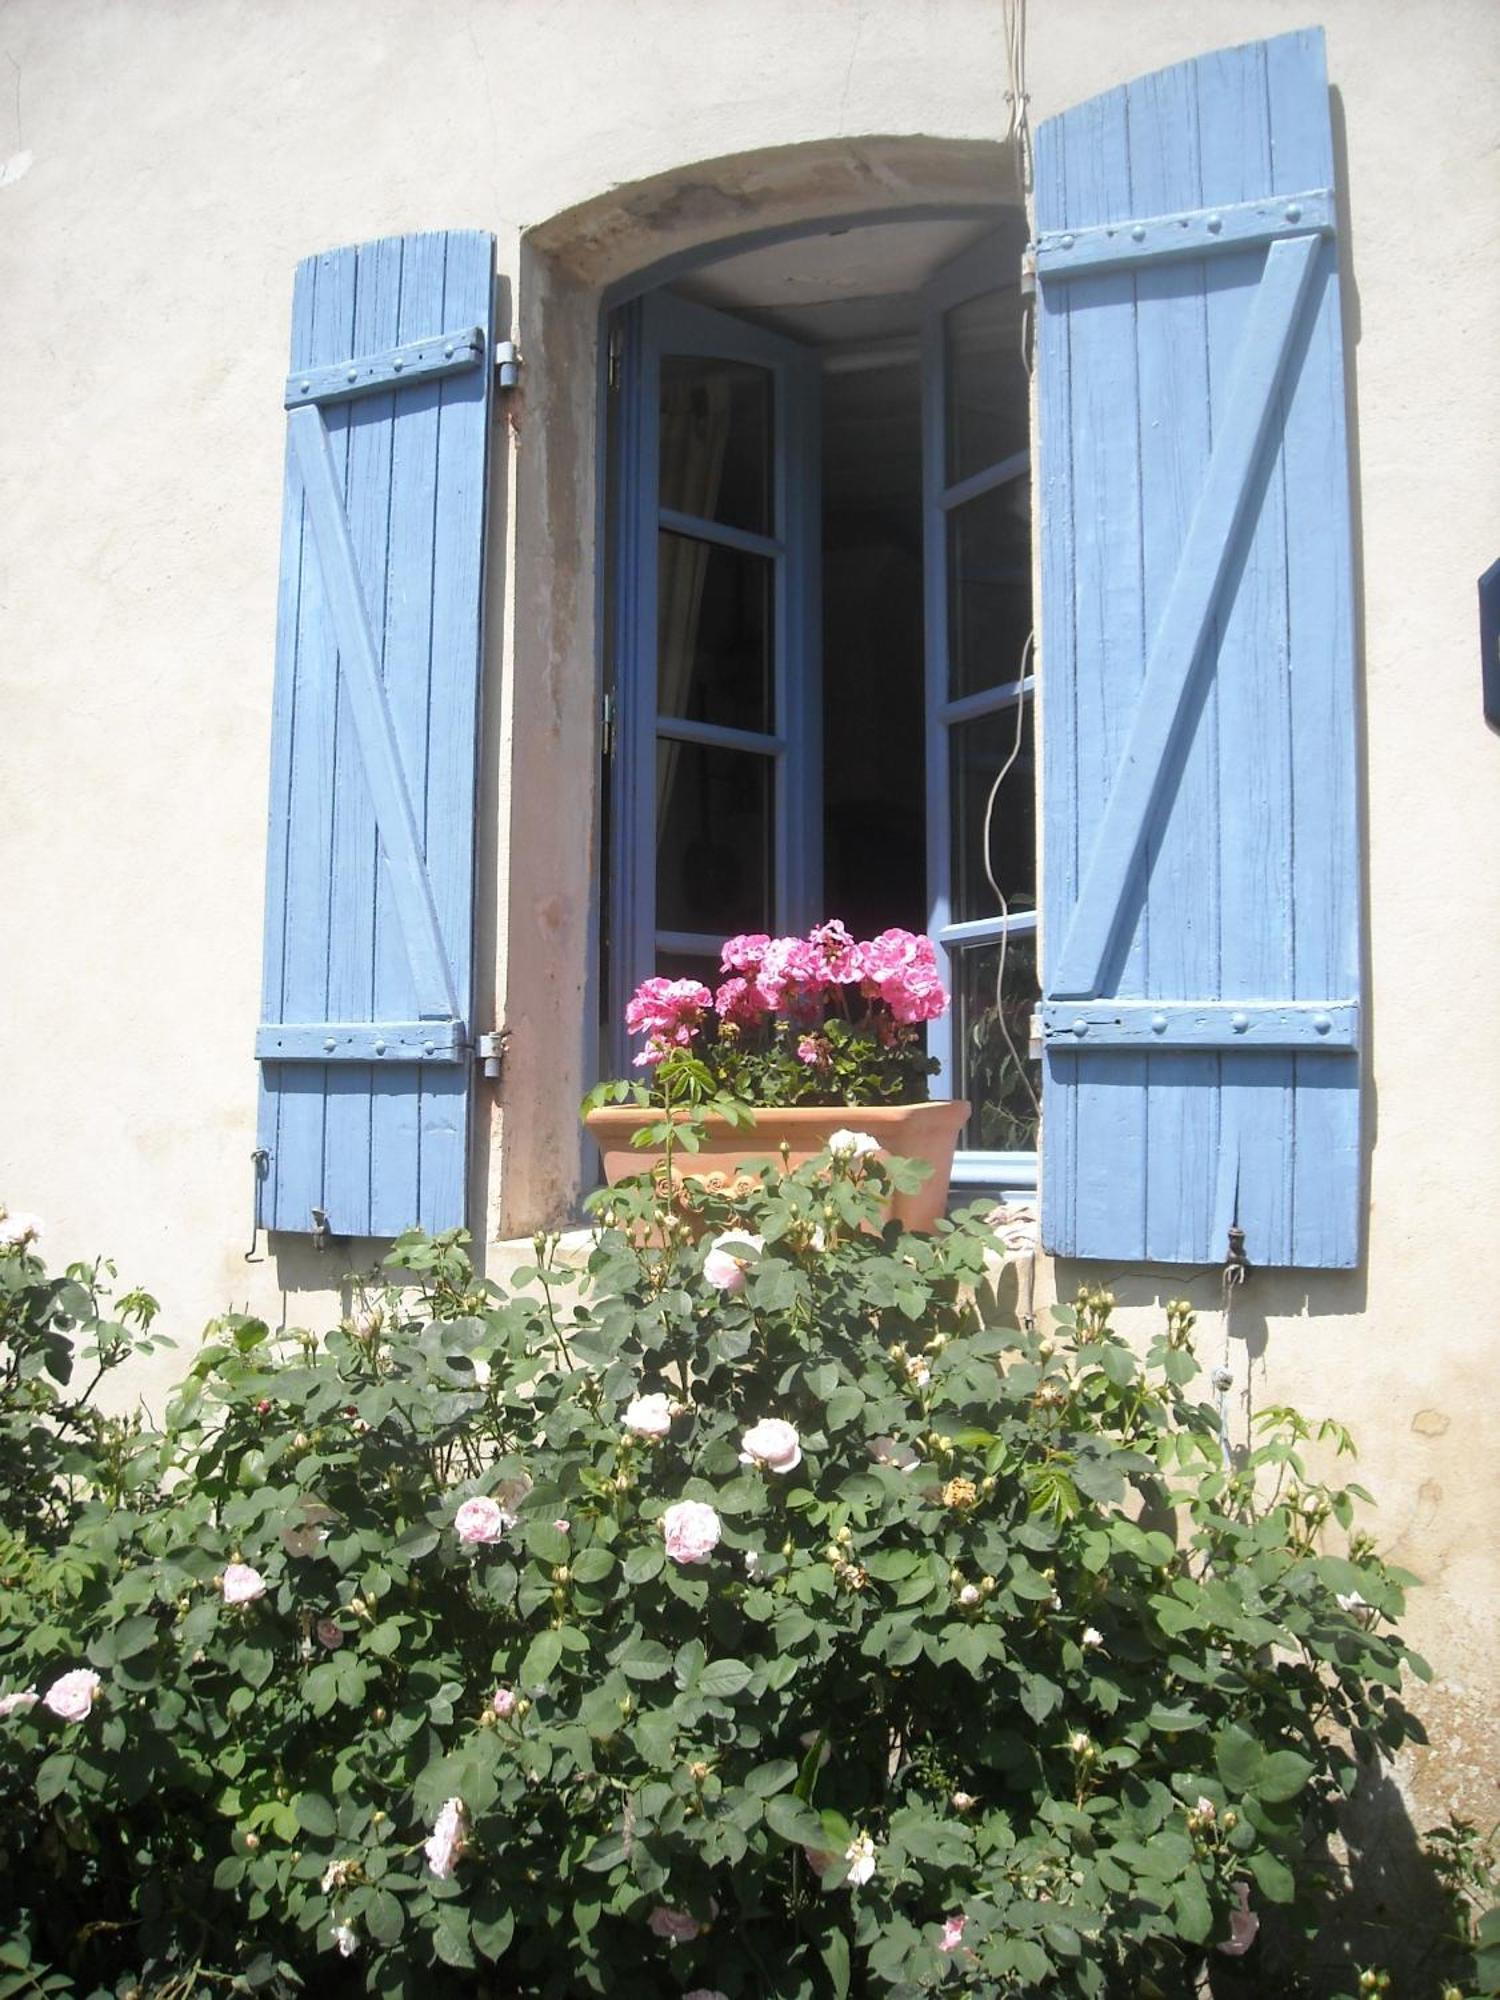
(615, 354)
(490, 1049)
(607, 726)
(507, 364)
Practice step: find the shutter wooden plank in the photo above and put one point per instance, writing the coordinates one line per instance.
(1327, 1177)
(354, 507)
(1214, 864)
(370, 883)
(1105, 430)
(1251, 667)
(395, 1109)
(323, 330)
(1181, 918)
(454, 684)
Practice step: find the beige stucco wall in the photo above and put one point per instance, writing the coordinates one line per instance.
(164, 163)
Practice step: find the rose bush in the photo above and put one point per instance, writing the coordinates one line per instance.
(634, 1635)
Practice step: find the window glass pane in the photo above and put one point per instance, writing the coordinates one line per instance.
(989, 588)
(716, 440)
(714, 841)
(978, 752)
(688, 965)
(713, 624)
(992, 1007)
(986, 388)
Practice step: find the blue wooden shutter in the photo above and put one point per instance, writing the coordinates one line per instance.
(1201, 956)
(364, 1048)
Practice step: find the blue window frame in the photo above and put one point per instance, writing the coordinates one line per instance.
(715, 639)
(714, 671)
(981, 792)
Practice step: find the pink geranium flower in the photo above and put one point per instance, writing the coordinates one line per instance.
(669, 1011)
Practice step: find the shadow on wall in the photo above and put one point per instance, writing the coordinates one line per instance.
(305, 1275)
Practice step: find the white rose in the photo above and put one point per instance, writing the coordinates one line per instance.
(242, 1584)
(448, 1839)
(1092, 1636)
(860, 1855)
(847, 1145)
(72, 1697)
(772, 1443)
(648, 1416)
(346, 1940)
(17, 1229)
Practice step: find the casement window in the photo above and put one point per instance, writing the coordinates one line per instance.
(819, 668)
(821, 691)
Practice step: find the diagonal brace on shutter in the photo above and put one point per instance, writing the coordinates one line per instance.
(360, 662)
(1207, 557)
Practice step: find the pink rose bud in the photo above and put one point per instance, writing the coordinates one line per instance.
(330, 1634)
(504, 1702)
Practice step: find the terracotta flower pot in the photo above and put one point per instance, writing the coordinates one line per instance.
(911, 1131)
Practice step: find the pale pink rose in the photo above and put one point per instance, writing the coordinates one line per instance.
(953, 1933)
(773, 1444)
(692, 1531)
(330, 1634)
(242, 1584)
(969, 1595)
(648, 1416)
(23, 1698)
(705, 1993)
(563, 1527)
(728, 1257)
(482, 1520)
(676, 1926)
(504, 1702)
(72, 1697)
(449, 1837)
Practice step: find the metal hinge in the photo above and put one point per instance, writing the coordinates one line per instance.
(1028, 272)
(607, 725)
(507, 364)
(616, 354)
(490, 1049)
